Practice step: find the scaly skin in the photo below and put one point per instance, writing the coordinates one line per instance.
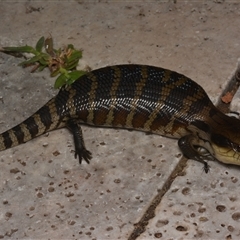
(140, 97)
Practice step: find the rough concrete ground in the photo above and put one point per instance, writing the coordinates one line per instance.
(46, 194)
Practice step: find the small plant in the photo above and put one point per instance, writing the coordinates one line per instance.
(62, 61)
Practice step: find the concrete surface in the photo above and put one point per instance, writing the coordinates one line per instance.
(46, 194)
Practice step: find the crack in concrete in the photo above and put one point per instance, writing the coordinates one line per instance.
(149, 214)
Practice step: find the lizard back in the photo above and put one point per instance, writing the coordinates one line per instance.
(141, 97)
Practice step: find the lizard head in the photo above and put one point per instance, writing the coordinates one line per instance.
(225, 141)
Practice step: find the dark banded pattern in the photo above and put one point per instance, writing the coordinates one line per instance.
(137, 97)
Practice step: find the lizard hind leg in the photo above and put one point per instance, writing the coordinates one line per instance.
(80, 150)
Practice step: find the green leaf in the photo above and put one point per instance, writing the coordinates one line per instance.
(40, 44)
(45, 57)
(66, 60)
(43, 61)
(41, 67)
(70, 46)
(26, 49)
(68, 78)
(30, 61)
(72, 61)
(74, 75)
(60, 81)
(76, 55)
(55, 73)
(71, 66)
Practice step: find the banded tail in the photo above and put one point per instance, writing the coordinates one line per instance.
(44, 120)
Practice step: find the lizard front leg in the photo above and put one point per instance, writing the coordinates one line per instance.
(190, 148)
